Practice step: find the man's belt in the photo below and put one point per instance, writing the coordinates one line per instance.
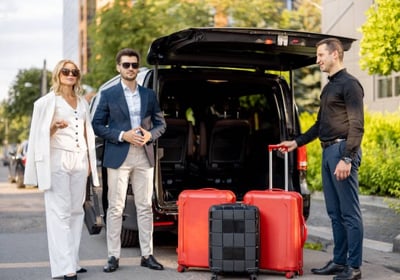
(326, 144)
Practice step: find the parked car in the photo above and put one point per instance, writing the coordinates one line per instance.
(223, 107)
(7, 148)
(16, 166)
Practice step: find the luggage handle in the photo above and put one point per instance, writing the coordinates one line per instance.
(284, 149)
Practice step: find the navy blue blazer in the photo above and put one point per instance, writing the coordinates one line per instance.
(112, 116)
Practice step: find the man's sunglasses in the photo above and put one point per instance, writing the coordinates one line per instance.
(126, 65)
(66, 72)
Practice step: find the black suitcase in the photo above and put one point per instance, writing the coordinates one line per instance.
(93, 219)
(234, 239)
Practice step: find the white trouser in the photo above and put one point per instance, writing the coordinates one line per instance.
(136, 167)
(64, 209)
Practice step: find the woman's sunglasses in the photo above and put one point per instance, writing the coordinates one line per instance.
(66, 72)
(126, 65)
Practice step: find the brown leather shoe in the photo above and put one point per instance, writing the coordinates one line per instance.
(350, 273)
(112, 264)
(151, 263)
(330, 268)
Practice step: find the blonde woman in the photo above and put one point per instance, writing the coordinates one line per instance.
(61, 154)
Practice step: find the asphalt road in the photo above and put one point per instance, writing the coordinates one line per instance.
(24, 255)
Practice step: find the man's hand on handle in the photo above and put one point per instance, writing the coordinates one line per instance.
(290, 145)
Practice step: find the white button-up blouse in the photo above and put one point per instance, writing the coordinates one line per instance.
(72, 137)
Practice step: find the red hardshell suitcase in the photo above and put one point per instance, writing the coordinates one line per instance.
(193, 228)
(283, 231)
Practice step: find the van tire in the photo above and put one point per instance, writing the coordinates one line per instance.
(19, 177)
(129, 238)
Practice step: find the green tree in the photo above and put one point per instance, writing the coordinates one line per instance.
(256, 13)
(306, 16)
(380, 44)
(122, 26)
(18, 108)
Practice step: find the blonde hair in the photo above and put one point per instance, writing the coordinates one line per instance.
(56, 87)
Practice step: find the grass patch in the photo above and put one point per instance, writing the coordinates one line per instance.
(317, 246)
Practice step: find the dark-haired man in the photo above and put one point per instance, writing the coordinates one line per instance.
(128, 117)
(340, 128)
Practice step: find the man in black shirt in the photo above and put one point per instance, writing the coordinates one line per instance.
(340, 127)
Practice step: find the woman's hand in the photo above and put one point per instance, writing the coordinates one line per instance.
(56, 124)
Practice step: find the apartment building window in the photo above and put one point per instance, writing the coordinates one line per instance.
(389, 86)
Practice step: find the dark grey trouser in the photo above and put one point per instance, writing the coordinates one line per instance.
(343, 207)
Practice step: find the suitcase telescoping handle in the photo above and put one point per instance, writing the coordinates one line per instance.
(284, 149)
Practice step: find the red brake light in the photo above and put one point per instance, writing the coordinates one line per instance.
(302, 158)
(297, 42)
(268, 41)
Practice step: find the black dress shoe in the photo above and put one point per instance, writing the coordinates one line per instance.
(74, 277)
(81, 270)
(350, 273)
(330, 268)
(151, 263)
(112, 265)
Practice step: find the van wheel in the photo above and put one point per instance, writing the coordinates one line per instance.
(129, 238)
(19, 178)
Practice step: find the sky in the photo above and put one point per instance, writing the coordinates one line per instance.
(30, 33)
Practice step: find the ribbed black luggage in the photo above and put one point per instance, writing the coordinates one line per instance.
(234, 239)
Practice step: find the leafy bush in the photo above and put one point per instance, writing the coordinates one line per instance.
(379, 172)
(314, 154)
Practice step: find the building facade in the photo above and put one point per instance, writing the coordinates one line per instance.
(77, 15)
(345, 18)
(70, 26)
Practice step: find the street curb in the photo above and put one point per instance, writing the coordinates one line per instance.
(325, 233)
(376, 201)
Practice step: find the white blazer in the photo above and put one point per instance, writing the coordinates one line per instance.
(38, 169)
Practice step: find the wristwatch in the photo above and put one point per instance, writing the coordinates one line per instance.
(347, 160)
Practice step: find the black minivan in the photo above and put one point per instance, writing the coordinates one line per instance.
(225, 99)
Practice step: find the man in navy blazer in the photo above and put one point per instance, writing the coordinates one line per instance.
(128, 117)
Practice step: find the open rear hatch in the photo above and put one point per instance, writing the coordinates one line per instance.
(262, 49)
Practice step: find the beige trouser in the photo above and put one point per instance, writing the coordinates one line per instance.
(136, 167)
(64, 210)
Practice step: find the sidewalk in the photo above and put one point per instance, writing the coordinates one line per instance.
(380, 223)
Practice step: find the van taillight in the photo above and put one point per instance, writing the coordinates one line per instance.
(302, 158)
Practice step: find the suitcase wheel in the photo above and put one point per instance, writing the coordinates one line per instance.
(253, 277)
(214, 277)
(290, 274)
(181, 268)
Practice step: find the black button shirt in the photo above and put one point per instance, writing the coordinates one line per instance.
(341, 113)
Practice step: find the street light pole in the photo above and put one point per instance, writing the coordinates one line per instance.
(43, 85)
(6, 131)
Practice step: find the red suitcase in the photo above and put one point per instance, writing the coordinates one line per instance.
(193, 225)
(283, 231)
